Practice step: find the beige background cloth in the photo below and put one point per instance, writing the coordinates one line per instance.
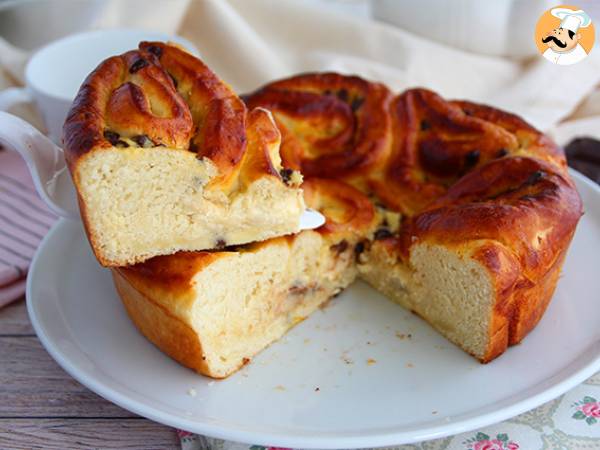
(250, 42)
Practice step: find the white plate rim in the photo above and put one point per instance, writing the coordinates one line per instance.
(576, 373)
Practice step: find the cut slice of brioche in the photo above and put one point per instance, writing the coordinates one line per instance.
(166, 158)
(469, 293)
(213, 311)
(236, 303)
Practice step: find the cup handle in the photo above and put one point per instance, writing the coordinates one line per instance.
(45, 161)
(14, 96)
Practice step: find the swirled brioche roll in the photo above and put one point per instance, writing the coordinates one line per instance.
(213, 311)
(332, 125)
(437, 142)
(165, 157)
(486, 203)
(490, 211)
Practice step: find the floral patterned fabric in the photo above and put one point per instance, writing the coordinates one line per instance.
(570, 422)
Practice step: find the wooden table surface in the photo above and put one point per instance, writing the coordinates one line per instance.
(41, 406)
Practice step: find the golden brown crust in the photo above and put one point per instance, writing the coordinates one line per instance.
(263, 136)
(535, 143)
(169, 333)
(520, 202)
(345, 208)
(160, 95)
(333, 126)
(130, 95)
(169, 273)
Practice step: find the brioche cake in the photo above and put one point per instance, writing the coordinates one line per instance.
(213, 311)
(457, 211)
(487, 206)
(166, 158)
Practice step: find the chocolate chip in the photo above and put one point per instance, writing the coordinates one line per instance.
(535, 177)
(472, 158)
(286, 175)
(340, 247)
(220, 244)
(112, 137)
(359, 248)
(357, 103)
(425, 125)
(122, 144)
(155, 50)
(139, 64)
(342, 94)
(382, 233)
(502, 153)
(142, 140)
(173, 80)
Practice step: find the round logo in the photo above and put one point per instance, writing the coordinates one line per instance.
(564, 35)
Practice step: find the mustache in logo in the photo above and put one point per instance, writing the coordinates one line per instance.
(555, 40)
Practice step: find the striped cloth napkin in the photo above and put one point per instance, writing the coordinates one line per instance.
(24, 221)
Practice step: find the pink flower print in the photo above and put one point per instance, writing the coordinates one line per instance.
(587, 409)
(489, 445)
(482, 441)
(591, 409)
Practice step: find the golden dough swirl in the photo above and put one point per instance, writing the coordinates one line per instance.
(345, 208)
(456, 171)
(332, 125)
(436, 142)
(160, 95)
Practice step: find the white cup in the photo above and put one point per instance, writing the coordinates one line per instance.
(54, 73)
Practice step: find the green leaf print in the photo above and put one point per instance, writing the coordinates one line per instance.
(482, 436)
(502, 437)
(579, 415)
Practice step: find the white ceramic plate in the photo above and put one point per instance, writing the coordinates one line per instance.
(343, 378)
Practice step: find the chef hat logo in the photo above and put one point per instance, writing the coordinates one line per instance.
(565, 35)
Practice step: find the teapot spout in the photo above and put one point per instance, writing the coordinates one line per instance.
(46, 164)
